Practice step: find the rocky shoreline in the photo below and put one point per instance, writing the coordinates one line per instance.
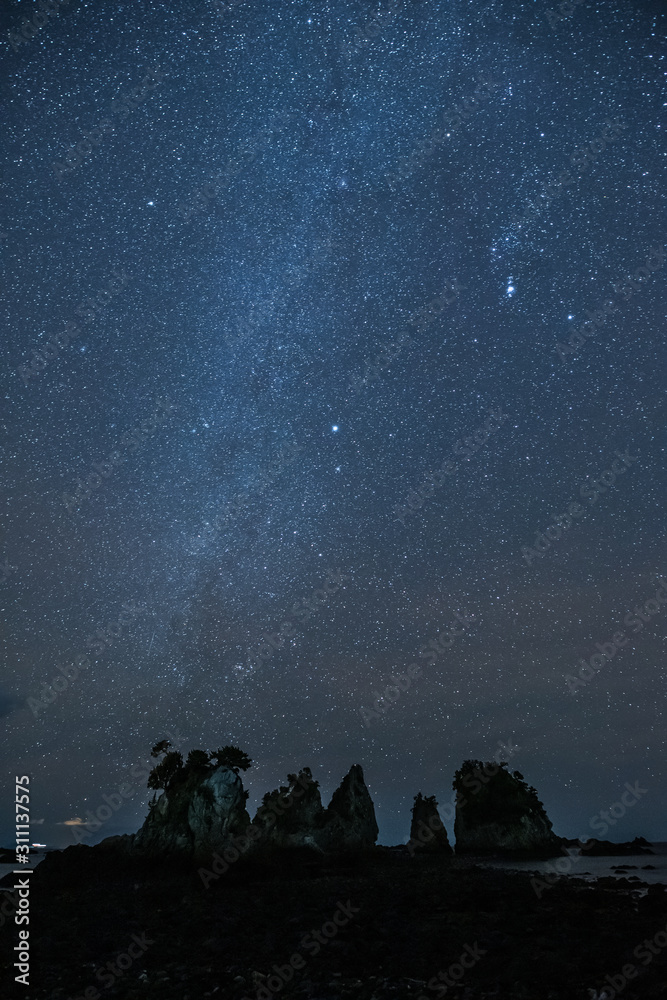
(299, 902)
(391, 925)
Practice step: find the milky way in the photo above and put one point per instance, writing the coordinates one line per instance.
(268, 270)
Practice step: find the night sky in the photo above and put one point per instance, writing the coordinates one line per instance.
(267, 266)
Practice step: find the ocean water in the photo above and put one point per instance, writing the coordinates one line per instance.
(580, 867)
(34, 861)
(591, 868)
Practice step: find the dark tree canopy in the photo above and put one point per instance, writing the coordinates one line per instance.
(171, 770)
(198, 760)
(232, 757)
(164, 772)
(492, 793)
(430, 799)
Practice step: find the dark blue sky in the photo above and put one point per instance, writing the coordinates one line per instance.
(196, 206)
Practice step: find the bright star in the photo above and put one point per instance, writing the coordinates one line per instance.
(334, 428)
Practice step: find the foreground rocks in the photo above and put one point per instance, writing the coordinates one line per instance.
(605, 848)
(389, 925)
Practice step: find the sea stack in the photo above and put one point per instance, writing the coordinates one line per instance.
(427, 831)
(291, 816)
(497, 813)
(198, 813)
(350, 825)
(202, 810)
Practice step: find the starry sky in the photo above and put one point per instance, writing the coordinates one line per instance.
(266, 267)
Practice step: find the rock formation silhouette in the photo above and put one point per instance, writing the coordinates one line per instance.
(497, 813)
(202, 811)
(197, 813)
(427, 831)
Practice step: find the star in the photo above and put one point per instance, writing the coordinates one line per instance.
(319, 246)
